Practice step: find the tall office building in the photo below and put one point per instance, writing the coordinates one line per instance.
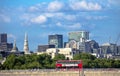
(3, 38)
(79, 36)
(56, 40)
(26, 48)
(4, 46)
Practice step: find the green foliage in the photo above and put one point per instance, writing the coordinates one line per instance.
(44, 61)
(28, 61)
(90, 61)
(10, 62)
(84, 56)
(1, 66)
(59, 57)
(0, 57)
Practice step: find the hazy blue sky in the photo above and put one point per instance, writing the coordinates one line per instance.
(39, 18)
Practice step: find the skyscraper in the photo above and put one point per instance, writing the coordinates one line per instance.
(26, 47)
(56, 40)
(4, 46)
(3, 38)
(79, 36)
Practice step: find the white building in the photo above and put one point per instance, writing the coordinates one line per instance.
(67, 52)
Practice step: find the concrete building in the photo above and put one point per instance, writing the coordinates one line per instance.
(67, 52)
(84, 47)
(42, 48)
(108, 50)
(56, 40)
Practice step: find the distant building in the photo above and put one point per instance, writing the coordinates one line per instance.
(56, 40)
(42, 48)
(79, 35)
(4, 46)
(77, 40)
(118, 50)
(67, 52)
(84, 47)
(3, 38)
(109, 49)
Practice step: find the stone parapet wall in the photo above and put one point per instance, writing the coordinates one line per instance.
(60, 73)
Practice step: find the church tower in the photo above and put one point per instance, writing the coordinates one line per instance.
(14, 49)
(26, 48)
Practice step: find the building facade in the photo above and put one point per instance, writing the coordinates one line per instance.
(79, 36)
(67, 52)
(108, 50)
(118, 50)
(3, 38)
(4, 46)
(56, 40)
(42, 48)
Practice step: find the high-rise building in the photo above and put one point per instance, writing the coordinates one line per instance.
(79, 36)
(4, 46)
(26, 47)
(56, 40)
(3, 38)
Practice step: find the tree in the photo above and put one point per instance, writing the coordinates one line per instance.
(10, 62)
(83, 56)
(1, 66)
(59, 57)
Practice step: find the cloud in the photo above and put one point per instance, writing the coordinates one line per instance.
(84, 5)
(11, 36)
(55, 6)
(116, 2)
(73, 26)
(96, 17)
(33, 8)
(4, 18)
(39, 19)
(70, 17)
(59, 24)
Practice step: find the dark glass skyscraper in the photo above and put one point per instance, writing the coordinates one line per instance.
(4, 46)
(56, 40)
(3, 38)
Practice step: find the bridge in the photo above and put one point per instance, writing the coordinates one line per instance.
(53, 72)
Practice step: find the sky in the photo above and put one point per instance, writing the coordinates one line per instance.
(40, 18)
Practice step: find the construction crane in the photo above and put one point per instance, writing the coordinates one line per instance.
(117, 39)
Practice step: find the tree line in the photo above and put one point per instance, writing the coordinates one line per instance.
(44, 61)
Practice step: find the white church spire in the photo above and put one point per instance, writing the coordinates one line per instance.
(14, 49)
(26, 47)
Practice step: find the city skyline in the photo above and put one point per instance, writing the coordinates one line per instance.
(42, 18)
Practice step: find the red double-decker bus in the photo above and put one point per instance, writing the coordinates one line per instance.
(69, 64)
